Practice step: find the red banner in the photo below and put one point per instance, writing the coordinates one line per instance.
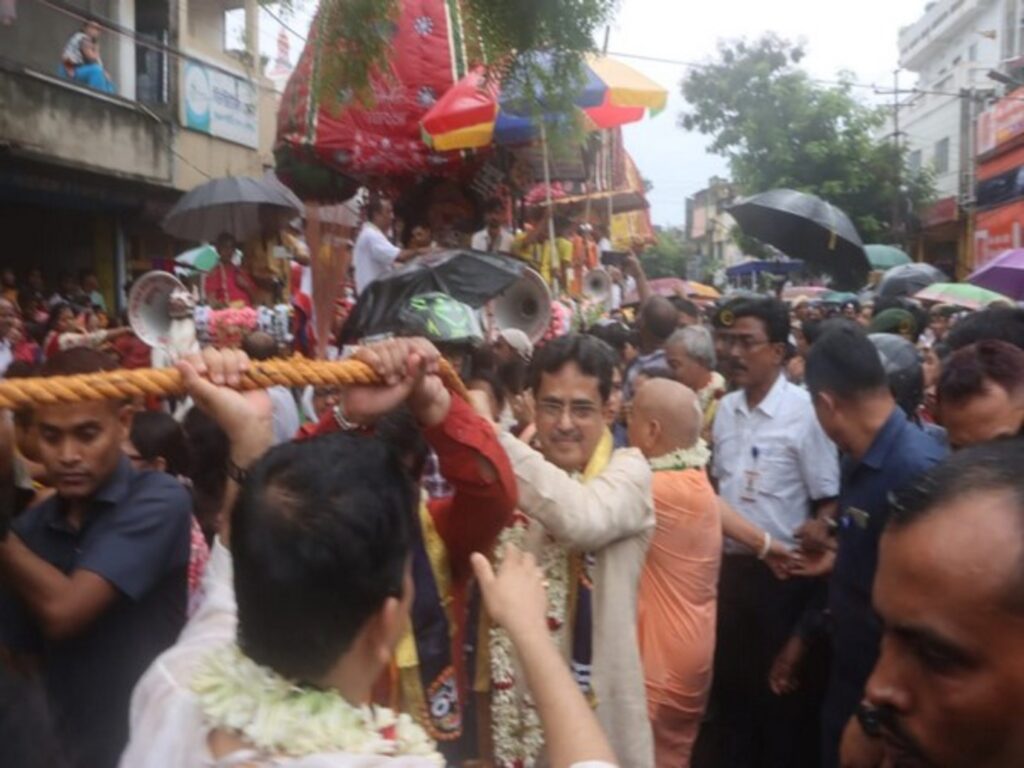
(1003, 123)
(996, 231)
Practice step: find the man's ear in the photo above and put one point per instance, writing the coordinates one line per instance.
(389, 624)
(125, 414)
(780, 351)
(826, 401)
(654, 430)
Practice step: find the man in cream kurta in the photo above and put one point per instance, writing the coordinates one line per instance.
(610, 516)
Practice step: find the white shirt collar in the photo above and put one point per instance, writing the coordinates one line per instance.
(769, 406)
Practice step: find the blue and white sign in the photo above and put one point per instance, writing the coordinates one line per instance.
(220, 104)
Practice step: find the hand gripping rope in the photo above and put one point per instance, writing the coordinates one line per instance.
(124, 384)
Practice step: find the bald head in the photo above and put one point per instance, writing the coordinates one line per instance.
(658, 319)
(666, 417)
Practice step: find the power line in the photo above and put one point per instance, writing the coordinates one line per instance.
(280, 21)
(878, 90)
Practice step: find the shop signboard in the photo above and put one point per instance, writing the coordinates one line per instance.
(220, 104)
(996, 231)
(1002, 123)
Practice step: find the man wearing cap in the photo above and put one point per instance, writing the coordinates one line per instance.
(775, 466)
(512, 343)
(896, 321)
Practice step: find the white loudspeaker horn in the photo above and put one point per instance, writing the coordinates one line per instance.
(525, 305)
(597, 285)
(161, 311)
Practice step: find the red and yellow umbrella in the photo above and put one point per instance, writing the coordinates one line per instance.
(476, 113)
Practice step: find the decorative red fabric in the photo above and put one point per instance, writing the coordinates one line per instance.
(381, 139)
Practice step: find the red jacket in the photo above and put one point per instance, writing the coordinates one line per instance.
(474, 463)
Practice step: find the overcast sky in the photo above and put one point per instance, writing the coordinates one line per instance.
(856, 36)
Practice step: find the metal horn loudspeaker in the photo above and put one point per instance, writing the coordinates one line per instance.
(155, 300)
(597, 285)
(526, 305)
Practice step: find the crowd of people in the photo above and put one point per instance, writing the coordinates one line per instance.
(735, 535)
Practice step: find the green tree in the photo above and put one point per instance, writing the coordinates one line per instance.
(778, 128)
(670, 256)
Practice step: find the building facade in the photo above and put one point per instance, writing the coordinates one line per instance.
(86, 176)
(709, 228)
(999, 218)
(951, 48)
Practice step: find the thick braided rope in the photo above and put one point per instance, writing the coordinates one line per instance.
(124, 384)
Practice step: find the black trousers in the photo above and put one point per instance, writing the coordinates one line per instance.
(747, 726)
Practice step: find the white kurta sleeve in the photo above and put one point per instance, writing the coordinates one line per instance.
(588, 516)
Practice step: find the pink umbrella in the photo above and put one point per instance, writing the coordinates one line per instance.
(794, 292)
(1003, 274)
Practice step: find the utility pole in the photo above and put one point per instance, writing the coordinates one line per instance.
(897, 204)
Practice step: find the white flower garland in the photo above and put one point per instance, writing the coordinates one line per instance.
(695, 457)
(516, 727)
(279, 717)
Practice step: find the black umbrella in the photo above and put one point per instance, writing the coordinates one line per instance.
(806, 227)
(239, 205)
(472, 277)
(908, 279)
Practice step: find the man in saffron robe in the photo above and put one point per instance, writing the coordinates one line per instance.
(679, 587)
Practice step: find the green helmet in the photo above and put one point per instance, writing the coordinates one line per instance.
(441, 319)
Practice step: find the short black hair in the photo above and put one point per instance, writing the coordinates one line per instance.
(811, 329)
(156, 434)
(491, 378)
(685, 306)
(998, 323)
(260, 345)
(658, 317)
(374, 206)
(965, 373)
(615, 335)
(773, 313)
(77, 361)
(989, 467)
(402, 434)
(590, 354)
(320, 538)
(494, 204)
(843, 361)
(513, 375)
(209, 449)
(55, 312)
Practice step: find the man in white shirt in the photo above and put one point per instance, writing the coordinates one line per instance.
(493, 238)
(773, 464)
(374, 254)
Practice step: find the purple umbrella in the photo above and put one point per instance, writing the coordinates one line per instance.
(1005, 274)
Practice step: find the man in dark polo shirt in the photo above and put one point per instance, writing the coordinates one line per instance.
(94, 578)
(883, 452)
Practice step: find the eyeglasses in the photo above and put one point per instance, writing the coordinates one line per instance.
(579, 412)
(744, 343)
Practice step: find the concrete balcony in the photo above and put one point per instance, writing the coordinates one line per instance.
(44, 117)
(941, 23)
